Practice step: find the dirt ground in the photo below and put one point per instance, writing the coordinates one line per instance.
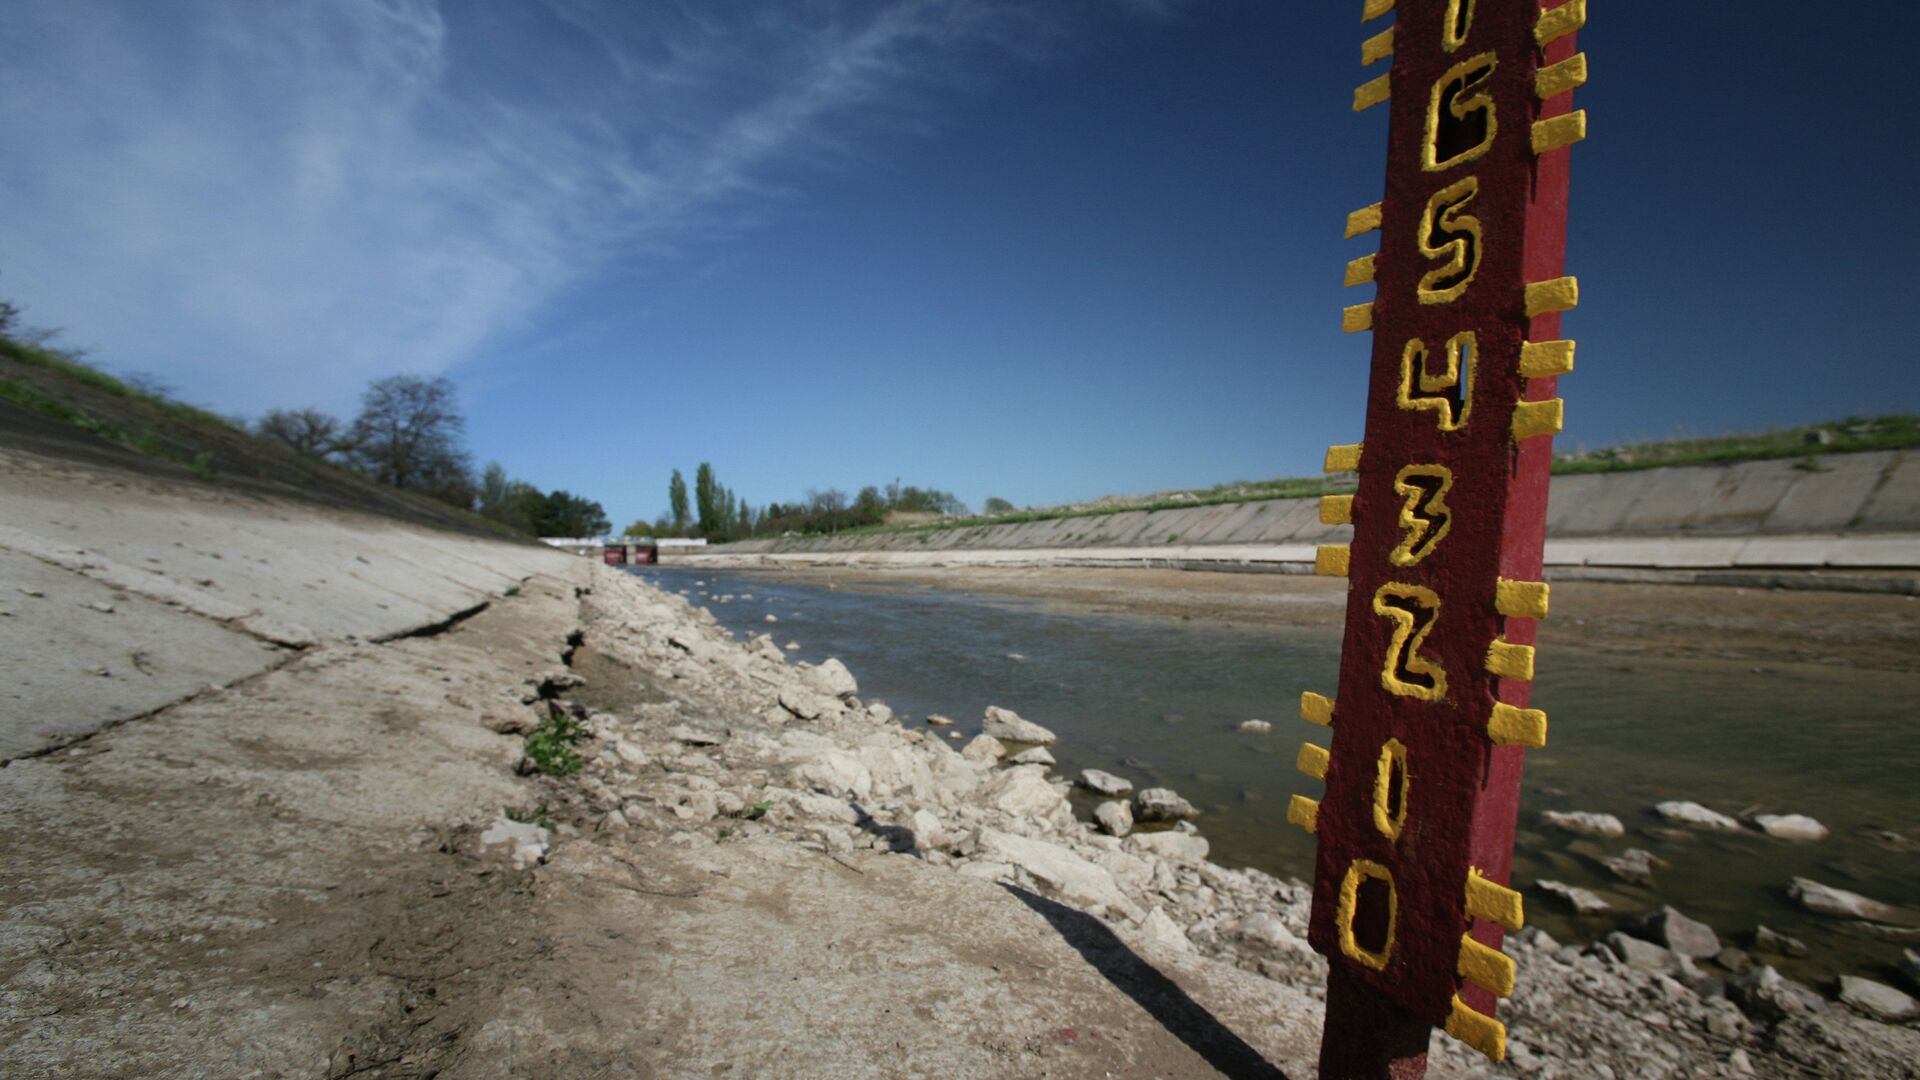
(1853, 630)
(284, 877)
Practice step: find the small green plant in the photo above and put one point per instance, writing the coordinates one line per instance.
(512, 590)
(723, 833)
(202, 465)
(536, 816)
(550, 746)
(757, 810)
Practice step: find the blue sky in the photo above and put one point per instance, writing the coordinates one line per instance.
(1039, 251)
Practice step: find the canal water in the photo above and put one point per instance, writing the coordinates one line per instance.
(1158, 700)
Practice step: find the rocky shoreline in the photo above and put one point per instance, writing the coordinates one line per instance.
(693, 737)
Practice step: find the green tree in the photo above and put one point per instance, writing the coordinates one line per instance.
(567, 514)
(706, 501)
(677, 503)
(513, 503)
(997, 505)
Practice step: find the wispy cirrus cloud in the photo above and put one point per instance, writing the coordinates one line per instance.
(271, 203)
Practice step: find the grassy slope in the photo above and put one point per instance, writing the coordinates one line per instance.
(1850, 435)
(102, 419)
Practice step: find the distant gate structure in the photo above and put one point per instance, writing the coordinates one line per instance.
(1422, 775)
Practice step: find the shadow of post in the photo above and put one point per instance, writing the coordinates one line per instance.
(1160, 996)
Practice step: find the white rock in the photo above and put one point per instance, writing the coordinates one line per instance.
(630, 753)
(1007, 725)
(1645, 955)
(1058, 871)
(1162, 804)
(1258, 727)
(1585, 823)
(1177, 846)
(803, 703)
(1839, 903)
(1790, 826)
(929, 834)
(771, 617)
(1022, 792)
(879, 712)
(954, 777)
(525, 842)
(936, 720)
(1877, 1000)
(825, 807)
(1634, 864)
(898, 769)
(836, 772)
(1667, 926)
(1584, 901)
(832, 678)
(1773, 941)
(985, 870)
(983, 750)
(1036, 755)
(1265, 929)
(1692, 813)
(793, 646)
(693, 737)
(1104, 783)
(1161, 931)
(1114, 817)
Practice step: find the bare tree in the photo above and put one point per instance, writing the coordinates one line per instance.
(830, 501)
(409, 434)
(308, 431)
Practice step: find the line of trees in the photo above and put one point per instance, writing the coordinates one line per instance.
(718, 514)
(410, 434)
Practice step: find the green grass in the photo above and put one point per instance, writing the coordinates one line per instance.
(72, 369)
(536, 816)
(41, 356)
(54, 409)
(1849, 435)
(550, 746)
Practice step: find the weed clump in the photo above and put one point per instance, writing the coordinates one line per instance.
(550, 746)
(536, 816)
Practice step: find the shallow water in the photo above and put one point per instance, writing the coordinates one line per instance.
(1157, 700)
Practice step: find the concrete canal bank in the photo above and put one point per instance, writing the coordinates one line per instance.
(1858, 514)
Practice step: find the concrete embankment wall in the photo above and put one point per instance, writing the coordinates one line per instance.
(125, 596)
(1848, 511)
